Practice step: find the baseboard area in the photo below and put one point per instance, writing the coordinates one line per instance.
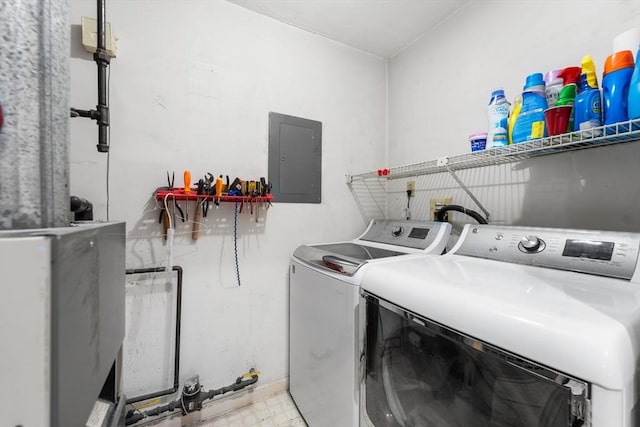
(222, 405)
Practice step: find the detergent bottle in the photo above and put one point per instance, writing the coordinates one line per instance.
(517, 105)
(498, 113)
(588, 104)
(634, 92)
(553, 84)
(530, 122)
(618, 69)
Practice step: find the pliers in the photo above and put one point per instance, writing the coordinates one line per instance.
(182, 216)
(207, 190)
(171, 181)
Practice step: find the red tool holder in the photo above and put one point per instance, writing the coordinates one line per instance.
(179, 194)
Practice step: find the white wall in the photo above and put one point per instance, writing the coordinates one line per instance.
(439, 89)
(191, 88)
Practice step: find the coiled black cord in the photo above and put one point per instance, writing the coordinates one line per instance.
(235, 242)
(473, 214)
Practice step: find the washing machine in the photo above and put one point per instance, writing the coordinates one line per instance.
(517, 327)
(323, 313)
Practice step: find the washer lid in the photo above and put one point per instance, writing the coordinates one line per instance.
(583, 325)
(345, 258)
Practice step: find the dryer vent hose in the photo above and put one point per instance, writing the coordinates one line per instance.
(473, 214)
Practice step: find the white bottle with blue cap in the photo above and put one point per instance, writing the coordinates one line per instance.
(498, 115)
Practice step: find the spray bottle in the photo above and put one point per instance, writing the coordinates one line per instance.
(588, 104)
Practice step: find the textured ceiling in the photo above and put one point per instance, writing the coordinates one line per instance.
(380, 27)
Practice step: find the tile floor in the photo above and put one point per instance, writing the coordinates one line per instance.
(275, 411)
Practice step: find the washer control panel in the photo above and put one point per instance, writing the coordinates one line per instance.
(407, 233)
(604, 253)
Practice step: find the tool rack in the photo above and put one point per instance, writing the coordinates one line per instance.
(179, 194)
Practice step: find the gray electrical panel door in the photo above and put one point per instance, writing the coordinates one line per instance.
(295, 158)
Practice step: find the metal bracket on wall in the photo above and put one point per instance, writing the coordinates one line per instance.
(469, 193)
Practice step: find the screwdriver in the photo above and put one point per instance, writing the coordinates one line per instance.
(187, 182)
(219, 185)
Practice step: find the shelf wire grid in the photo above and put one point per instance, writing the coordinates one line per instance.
(621, 132)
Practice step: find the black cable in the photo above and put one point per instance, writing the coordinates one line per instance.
(473, 214)
(235, 241)
(409, 192)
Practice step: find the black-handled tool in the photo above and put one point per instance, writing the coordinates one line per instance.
(196, 221)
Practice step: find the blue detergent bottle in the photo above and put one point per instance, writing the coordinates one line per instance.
(588, 104)
(633, 104)
(616, 79)
(530, 122)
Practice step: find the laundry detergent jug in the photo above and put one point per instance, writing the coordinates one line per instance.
(530, 122)
(616, 79)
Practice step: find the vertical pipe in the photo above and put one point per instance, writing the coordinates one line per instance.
(102, 37)
(103, 61)
(34, 93)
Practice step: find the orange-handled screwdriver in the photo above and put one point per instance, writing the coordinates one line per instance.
(219, 185)
(187, 182)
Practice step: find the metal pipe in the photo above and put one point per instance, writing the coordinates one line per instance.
(102, 60)
(101, 18)
(192, 402)
(176, 353)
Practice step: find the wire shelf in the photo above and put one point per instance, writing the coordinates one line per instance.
(622, 132)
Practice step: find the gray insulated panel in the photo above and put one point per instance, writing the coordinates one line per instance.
(295, 159)
(34, 94)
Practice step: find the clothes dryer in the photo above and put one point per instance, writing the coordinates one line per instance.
(323, 308)
(516, 327)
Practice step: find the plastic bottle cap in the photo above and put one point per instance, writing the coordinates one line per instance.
(556, 81)
(589, 68)
(552, 76)
(618, 61)
(567, 95)
(534, 82)
(570, 75)
(478, 135)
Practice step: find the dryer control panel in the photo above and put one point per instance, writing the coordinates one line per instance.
(406, 233)
(605, 253)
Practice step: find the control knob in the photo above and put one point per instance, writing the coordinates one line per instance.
(397, 230)
(530, 243)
